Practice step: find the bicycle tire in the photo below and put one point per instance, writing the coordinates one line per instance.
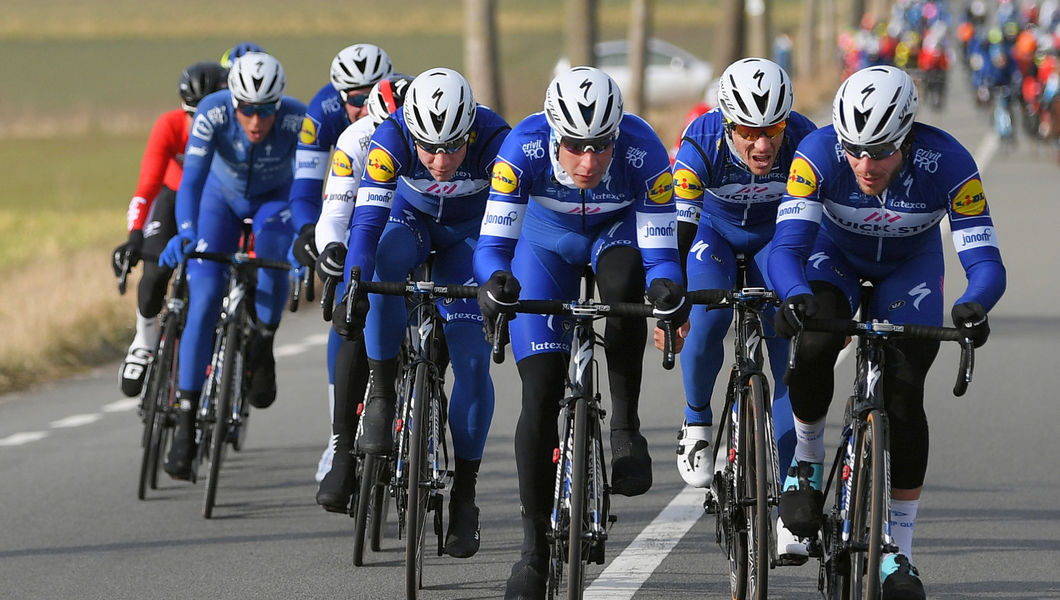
(576, 545)
(222, 414)
(148, 437)
(418, 496)
(756, 487)
(868, 504)
(731, 513)
(157, 395)
(378, 509)
(559, 532)
(362, 512)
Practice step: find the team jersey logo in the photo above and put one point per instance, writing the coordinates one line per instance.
(380, 166)
(971, 199)
(341, 165)
(801, 180)
(308, 134)
(504, 179)
(687, 185)
(662, 189)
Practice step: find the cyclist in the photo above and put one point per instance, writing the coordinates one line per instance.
(236, 51)
(729, 177)
(239, 163)
(424, 188)
(354, 70)
(150, 215)
(864, 200)
(332, 232)
(602, 195)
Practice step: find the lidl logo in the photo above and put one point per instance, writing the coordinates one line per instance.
(801, 180)
(662, 189)
(380, 166)
(341, 165)
(971, 199)
(504, 178)
(308, 135)
(687, 185)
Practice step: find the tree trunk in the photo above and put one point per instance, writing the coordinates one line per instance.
(481, 52)
(581, 32)
(731, 34)
(639, 32)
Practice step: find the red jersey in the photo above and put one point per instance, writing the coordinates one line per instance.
(163, 163)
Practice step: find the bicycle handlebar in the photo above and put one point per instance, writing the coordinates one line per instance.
(241, 258)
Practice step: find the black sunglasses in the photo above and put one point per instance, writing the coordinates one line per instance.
(449, 147)
(249, 110)
(873, 151)
(597, 145)
(355, 100)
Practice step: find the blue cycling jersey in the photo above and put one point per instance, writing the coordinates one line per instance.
(325, 120)
(218, 147)
(638, 189)
(393, 167)
(710, 178)
(938, 178)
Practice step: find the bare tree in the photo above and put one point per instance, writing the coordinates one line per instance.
(639, 32)
(759, 28)
(481, 52)
(581, 31)
(732, 34)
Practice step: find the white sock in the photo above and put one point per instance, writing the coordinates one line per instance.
(147, 332)
(903, 521)
(809, 444)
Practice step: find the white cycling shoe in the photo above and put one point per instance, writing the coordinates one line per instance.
(695, 457)
(133, 370)
(791, 549)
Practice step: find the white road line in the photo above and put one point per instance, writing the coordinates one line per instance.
(121, 405)
(630, 569)
(317, 339)
(76, 420)
(25, 437)
(986, 150)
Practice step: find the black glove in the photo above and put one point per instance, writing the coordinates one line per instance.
(305, 245)
(499, 294)
(792, 312)
(331, 261)
(353, 327)
(970, 318)
(669, 302)
(131, 250)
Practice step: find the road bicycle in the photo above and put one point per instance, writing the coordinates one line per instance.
(418, 471)
(581, 510)
(224, 409)
(746, 488)
(157, 400)
(856, 533)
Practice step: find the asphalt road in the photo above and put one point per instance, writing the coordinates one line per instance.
(989, 526)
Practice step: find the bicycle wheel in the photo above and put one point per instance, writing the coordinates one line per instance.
(577, 548)
(362, 514)
(731, 511)
(755, 486)
(867, 507)
(418, 495)
(559, 525)
(157, 397)
(377, 510)
(225, 393)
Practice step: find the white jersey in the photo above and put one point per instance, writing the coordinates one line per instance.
(340, 192)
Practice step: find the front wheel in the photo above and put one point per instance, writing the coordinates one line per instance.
(225, 393)
(418, 494)
(755, 488)
(577, 545)
(868, 506)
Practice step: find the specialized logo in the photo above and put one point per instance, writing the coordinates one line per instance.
(687, 185)
(971, 199)
(504, 179)
(341, 165)
(801, 180)
(919, 292)
(380, 166)
(308, 134)
(661, 190)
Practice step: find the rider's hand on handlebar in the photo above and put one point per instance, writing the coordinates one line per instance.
(177, 248)
(305, 246)
(331, 261)
(129, 251)
(499, 294)
(792, 312)
(679, 340)
(970, 318)
(350, 323)
(669, 302)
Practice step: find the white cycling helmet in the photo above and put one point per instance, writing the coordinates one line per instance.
(439, 107)
(387, 96)
(359, 65)
(257, 78)
(583, 103)
(755, 92)
(875, 105)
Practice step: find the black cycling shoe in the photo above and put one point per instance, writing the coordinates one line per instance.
(528, 579)
(630, 463)
(337, 488)
(182, 451)
(901, 580)
(462, 539)
(262, 390)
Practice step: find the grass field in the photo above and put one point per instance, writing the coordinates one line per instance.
(83, 82)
